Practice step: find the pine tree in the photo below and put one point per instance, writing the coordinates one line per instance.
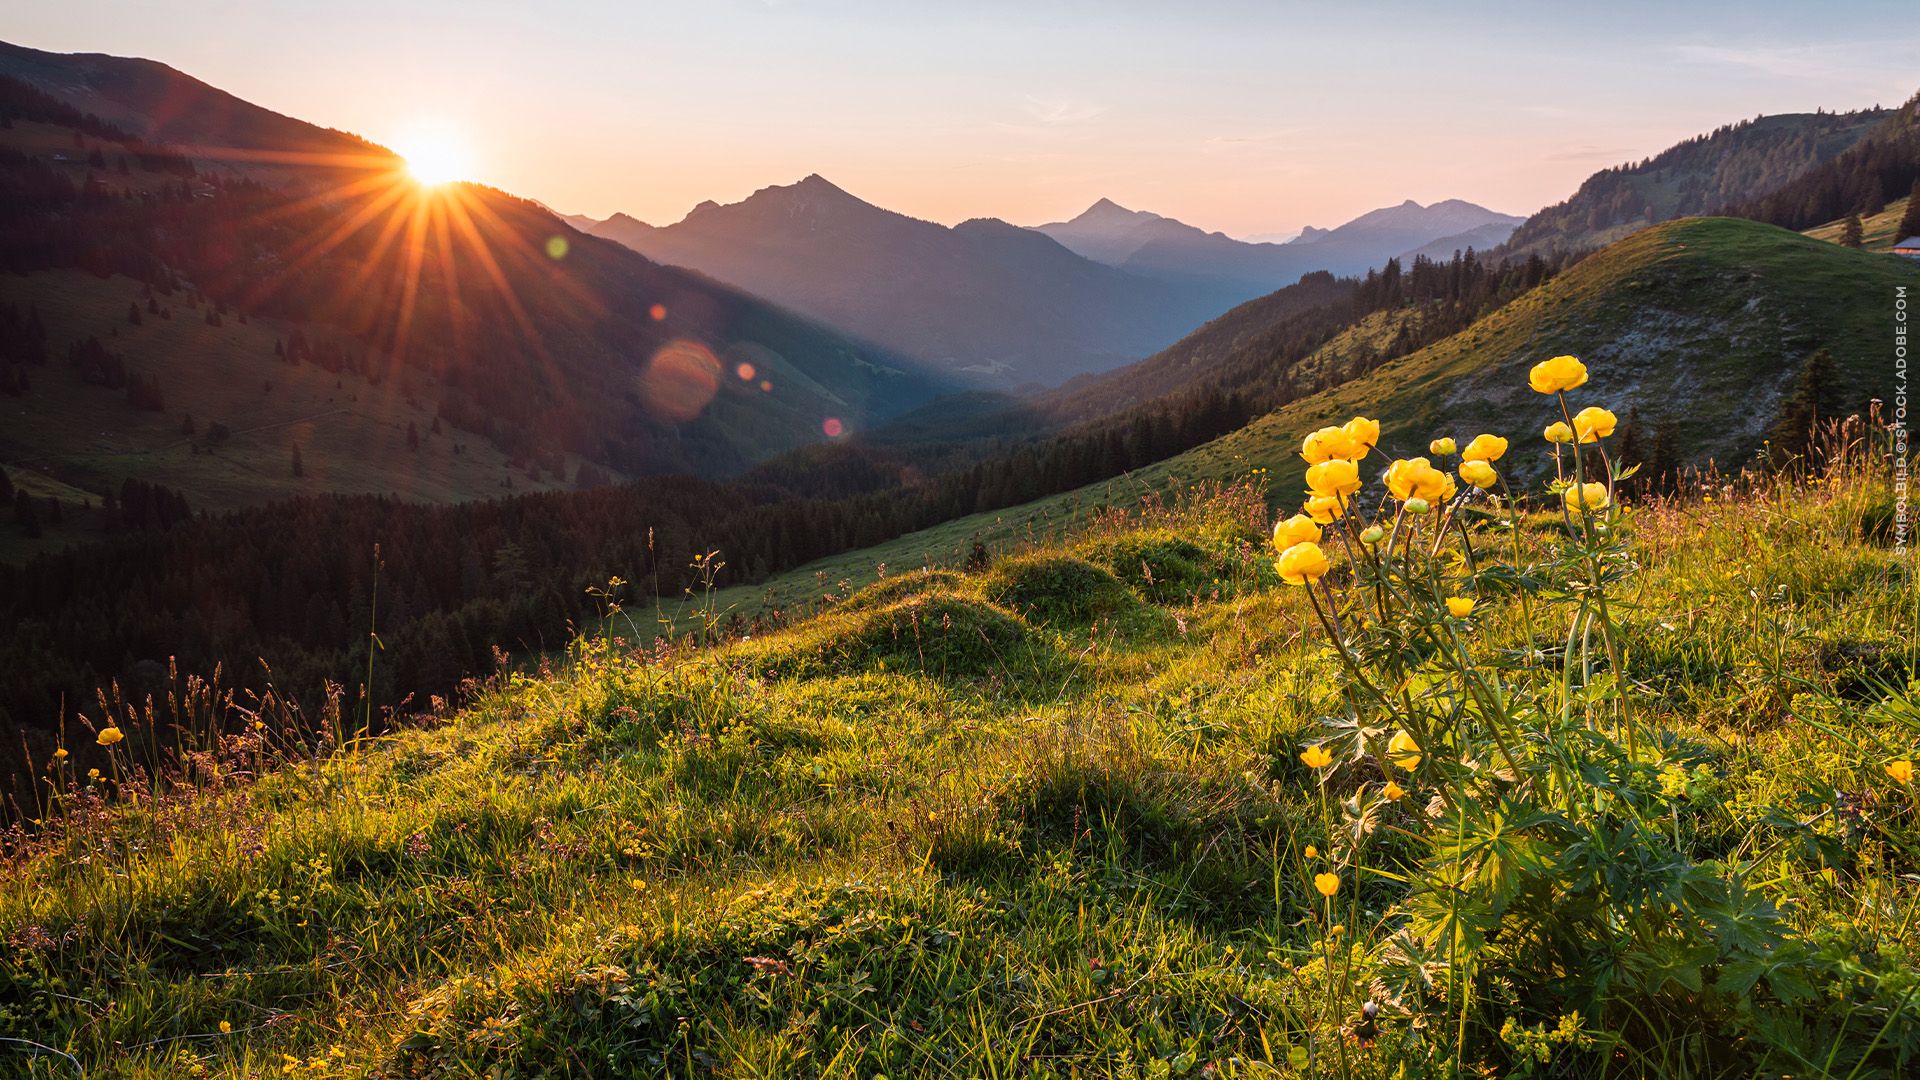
(1852, 234)
(1910, 221)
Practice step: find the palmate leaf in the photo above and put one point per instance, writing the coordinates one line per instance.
(1671, 960)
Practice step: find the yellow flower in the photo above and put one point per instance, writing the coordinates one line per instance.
(1586, 498)
(108, 736)
(1403, 751)
(1393, 791)
(637, 884)
(1448, 489)
(1316, 757)
(1485, 448)
(1441, 447)
(1478, 473)
(226, 1027)
(1312, 852)
(1327, 444)
(1593, 423)
(1459, 606)
(1327, 884)
(1325, 509)
(1298, 529)
(1901, 771)
(1560, 373)
(1334, 477)
(1364, 433)
(60, 754)
(1558, 432)
(1415, 478)
(93, 774)
(1302, 564)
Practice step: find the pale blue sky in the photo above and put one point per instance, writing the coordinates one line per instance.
(1252, 118)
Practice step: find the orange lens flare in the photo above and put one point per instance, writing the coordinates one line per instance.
(680, 380)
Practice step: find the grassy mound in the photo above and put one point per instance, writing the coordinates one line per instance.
(1165, 567)
(889, 591)
(1058, 590)
(941, 634)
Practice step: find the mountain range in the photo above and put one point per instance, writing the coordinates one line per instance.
(1002, 305)
(983, 300)
(1163, 247)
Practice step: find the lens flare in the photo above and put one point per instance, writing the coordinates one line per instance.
(680, 380)
(833, 427)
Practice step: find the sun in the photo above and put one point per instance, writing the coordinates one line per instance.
(435, 155)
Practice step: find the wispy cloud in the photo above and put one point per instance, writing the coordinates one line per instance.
(1060, 111)
(1588, 153)
(1855, 64)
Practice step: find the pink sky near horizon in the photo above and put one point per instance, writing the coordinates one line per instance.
(1250, 118)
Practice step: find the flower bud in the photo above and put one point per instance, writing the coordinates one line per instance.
(1417, 506)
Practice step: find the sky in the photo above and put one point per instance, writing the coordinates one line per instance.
(1250, 118)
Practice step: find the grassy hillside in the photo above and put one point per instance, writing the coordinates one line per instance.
(1700, 324)
(1876, 230)
(1046, 819)
(351, 431)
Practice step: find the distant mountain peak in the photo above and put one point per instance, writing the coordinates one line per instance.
(1108, 212)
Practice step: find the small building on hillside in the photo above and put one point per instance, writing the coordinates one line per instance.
(1910, 247)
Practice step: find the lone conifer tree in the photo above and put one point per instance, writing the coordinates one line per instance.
(1910, 221)
(1852, 234)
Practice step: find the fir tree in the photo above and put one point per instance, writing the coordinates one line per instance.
(1852, 234)
(1910, 221)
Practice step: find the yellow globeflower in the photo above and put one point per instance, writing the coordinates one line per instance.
(60, 754)
(1558, 432)
(1415, 478)
(1448, 489)
(1312, 852)
(1901, 771)
(1364, 433)
(108, 736)
(1441, 447)
(1327, 884)
(1334, 477)
(1593, 423)
(1327, 444)
(1586, 498)
(1557, 374)
(1485, 448)
(1302, 564)
(1316, 757)
(1325, 509)
(1459, 606)
(1478, 473)
(1403, 751)
(1298, 529)
(1393, 791)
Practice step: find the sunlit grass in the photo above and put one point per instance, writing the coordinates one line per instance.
(992, 823)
